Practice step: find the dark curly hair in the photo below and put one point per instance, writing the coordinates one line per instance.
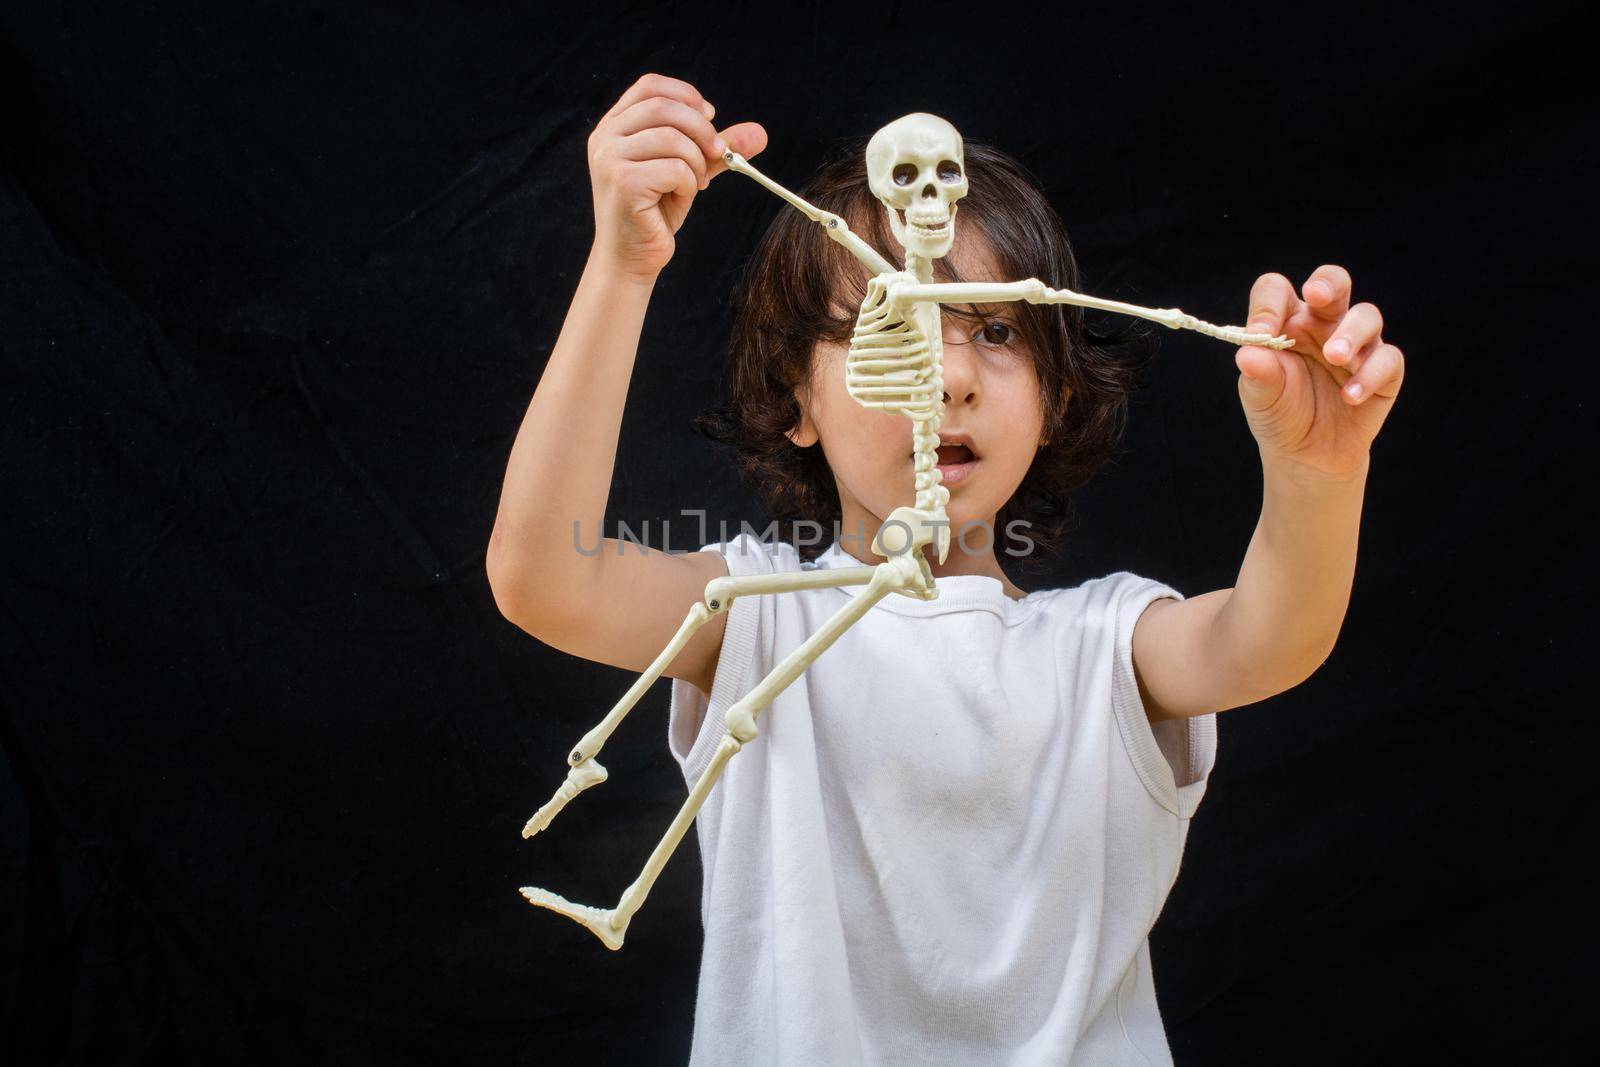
(801, 288)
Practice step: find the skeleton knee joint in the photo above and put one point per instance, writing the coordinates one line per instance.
(741, 723)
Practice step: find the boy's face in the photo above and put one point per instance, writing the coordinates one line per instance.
(991, 395)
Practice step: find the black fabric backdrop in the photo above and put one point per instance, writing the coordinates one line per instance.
(277, 281)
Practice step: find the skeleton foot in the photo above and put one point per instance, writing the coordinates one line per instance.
(602, 922)
(581, 777)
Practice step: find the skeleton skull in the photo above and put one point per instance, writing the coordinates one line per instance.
(915, 167)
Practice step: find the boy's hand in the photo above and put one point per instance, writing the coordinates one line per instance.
(1318, 405)
(647, 157)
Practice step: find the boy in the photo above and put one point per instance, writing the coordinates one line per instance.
(952, 836)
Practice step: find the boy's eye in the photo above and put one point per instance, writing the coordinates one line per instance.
(997, 333)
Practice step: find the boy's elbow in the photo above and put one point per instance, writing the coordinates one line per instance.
(1298, 674)
(510, 584)
(1278, 673)
(503, 586)
(516, 597)
(1313, 660)
(537, 601)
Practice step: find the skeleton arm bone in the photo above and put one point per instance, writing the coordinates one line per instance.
(1036, 292)
(834, 226)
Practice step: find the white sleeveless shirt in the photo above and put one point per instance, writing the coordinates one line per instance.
(952, 835)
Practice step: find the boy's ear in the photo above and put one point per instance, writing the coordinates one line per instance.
(804, 432)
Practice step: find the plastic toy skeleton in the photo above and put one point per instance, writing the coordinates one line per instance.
(915, 167)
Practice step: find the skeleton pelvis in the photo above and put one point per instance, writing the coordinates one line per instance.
(907, 530)
(890, 365)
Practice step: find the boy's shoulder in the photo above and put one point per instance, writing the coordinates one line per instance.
(1108, 584)
(1110, 589)
(1109, 604)
(1103, 612)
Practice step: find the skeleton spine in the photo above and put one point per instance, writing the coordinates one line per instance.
(931, 495)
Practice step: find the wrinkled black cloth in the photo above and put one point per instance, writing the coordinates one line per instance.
(276, 284)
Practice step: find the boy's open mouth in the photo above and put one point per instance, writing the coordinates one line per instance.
(955, 463)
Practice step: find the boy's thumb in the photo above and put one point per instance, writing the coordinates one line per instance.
(745, 138)
(1261, 377)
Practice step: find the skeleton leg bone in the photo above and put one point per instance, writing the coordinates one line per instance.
(899, 573)
(1036, 292)
(718, 596)
(586, 770)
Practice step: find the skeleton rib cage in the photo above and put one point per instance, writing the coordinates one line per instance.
(915, 168)
(890, 366)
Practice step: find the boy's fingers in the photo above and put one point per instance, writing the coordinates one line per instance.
(1362, 324)
(1271, 303)
(660, 142)
(660, 111)
(1327, 292)
(1380, 374)
(745, 138)
(660, 85)
(668, 175)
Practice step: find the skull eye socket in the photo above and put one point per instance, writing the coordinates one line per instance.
(904, 174)
(949, 171)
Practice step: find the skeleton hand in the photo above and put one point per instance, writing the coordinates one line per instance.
(1318, 406)
(647, 157)
(1233, 334)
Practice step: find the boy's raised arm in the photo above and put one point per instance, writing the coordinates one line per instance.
(1314, 411)
(647, 158)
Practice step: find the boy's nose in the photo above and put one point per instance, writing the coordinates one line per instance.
(959, 370)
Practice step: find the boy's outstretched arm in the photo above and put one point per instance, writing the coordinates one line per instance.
(1314, 411)
(647, 158)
